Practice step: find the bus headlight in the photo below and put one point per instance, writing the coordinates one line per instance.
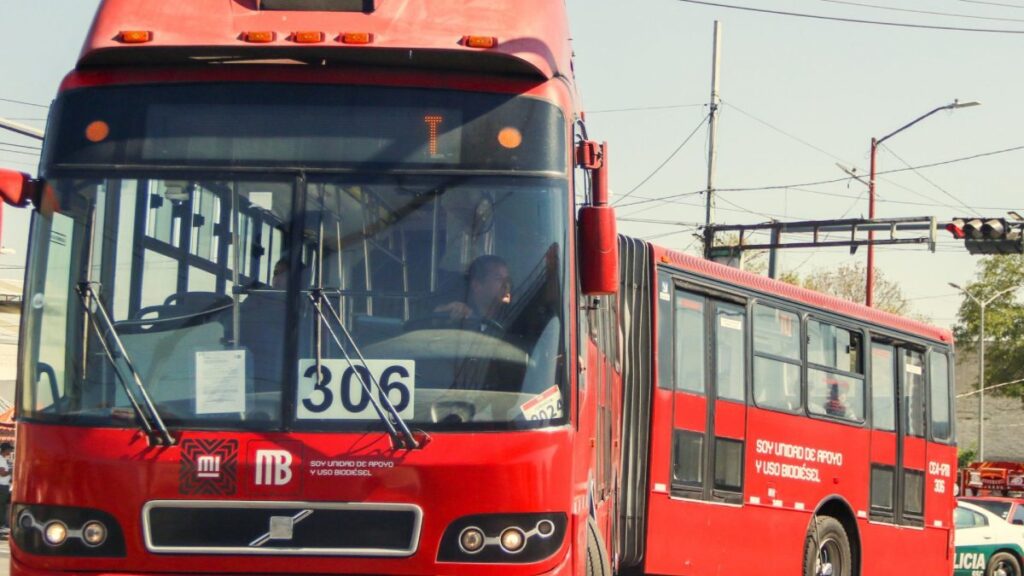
(471, 540)
(55, 533)
(94, 533)
(66, 531)
(503, 538)
(513, 540)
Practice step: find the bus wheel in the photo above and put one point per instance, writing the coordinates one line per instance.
(827, 549)
(1003, 564)
(597, 557)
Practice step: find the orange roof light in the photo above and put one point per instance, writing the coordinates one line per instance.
(356, 38)
(135, 36)
(259, 37)
(479, 41)
(307, 37)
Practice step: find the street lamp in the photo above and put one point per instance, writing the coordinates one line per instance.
(875, 142)
(981, 360)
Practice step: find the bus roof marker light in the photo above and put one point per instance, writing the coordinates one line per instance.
(259, 36)
(307, 37)
(135, 36)
(470, 41)
(356, 38)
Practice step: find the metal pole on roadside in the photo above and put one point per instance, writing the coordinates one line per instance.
(982, 305)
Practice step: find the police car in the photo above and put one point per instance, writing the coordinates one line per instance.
(986, 545)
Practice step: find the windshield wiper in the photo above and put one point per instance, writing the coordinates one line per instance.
(152, 424)
(397, 428)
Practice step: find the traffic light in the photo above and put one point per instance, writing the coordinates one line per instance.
(988, 235)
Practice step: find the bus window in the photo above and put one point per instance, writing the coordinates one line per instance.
(913, 394)
(939, 405)
(690, 345)
(688, 458)
(728, 464)
(883, 387)
(835, 381)
(730, 352)
(665, 374)
(776, 359)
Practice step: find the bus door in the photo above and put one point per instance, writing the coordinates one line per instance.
(898, 455)
(709, 406)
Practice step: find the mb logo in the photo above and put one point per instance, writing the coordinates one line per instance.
(273, 467)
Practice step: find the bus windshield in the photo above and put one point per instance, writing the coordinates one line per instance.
(293, 301)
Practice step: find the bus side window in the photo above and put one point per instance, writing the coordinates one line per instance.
(664, 317)
(835, 376)
(939, 407)
(776, 359)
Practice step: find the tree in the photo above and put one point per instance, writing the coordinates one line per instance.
(847, 282)
(1004, 321)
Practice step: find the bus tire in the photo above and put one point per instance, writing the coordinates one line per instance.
(597, 557)
(828, 544)
(1003, 563)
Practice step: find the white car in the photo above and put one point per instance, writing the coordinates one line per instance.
(986, 545)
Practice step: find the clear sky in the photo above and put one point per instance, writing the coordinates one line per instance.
(799, 95)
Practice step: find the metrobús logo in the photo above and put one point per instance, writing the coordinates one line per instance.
(208, 467)
(273, 467)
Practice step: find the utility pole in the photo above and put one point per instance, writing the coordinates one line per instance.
(709, 232)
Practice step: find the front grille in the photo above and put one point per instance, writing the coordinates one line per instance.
(320, 528)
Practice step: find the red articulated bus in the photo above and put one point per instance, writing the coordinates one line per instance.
(333, 287)
(786, 432)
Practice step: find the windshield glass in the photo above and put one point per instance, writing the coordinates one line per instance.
(446, 292)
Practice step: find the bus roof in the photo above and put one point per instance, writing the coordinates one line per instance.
(790, 292)
(532, 35)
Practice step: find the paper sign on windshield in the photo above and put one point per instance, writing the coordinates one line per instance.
(220, 381)
(545, 406)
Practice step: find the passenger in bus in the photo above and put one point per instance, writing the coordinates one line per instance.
(488, 293)
(836, 404)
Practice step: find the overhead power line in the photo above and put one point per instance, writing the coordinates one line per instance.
(926, 179)
(667, 160)
(854, 20)
(1018, 6)
(23, 103)
(645, 108)
(929, 12)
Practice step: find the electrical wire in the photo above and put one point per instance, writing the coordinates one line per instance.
(928, 12)
(784, 133)
(854, 20)
(926, 179)
(23, 103)
(19, 145)
(662, 165)
(1018, 6)
(20, 152)
(644, 108)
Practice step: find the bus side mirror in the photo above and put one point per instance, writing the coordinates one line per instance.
(16, 188)
(597, 236)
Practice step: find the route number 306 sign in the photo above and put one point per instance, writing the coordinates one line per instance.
(339, 393)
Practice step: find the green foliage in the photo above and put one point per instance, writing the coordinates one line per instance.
(848, 282)
(965, 456)
(1004, 321)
